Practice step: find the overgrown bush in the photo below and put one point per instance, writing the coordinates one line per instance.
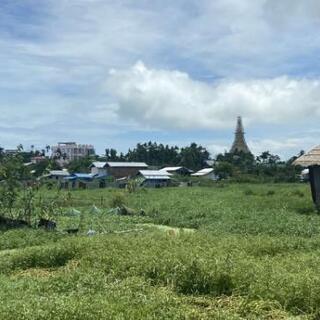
(118, 199)
(132, 186)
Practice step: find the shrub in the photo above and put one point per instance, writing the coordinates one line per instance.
(132, 186)
(118, 199)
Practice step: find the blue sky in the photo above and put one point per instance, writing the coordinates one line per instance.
(114, 73)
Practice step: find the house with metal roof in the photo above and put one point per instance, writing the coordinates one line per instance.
(56, 175)
(84, 181)
(154, 178)
(117, 169)
(98, 167)
(207, 173)
(63, 179)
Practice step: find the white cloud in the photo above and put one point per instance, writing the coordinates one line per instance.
(55, 55)
(172, 99)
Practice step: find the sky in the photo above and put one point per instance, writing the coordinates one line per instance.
(114, 73)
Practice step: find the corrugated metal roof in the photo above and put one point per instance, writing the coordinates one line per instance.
(98, 164)
(155, 174)
(203, 172)
(59, 173)
(128, 164)
(152, 177)
(170, 169)
(174, 169)
(84, 175)
(311, 158)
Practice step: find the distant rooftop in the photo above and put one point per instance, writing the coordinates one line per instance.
(203, 172)
(103, 164)
(127, 164)
(173, 169)
(59, 173)
(155, 174)
(98, 164)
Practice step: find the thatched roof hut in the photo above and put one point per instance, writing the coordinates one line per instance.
(311, 158)
(312, 161)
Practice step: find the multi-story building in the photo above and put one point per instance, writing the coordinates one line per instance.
(69, 151)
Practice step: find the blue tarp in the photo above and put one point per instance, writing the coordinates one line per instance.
(84, 176)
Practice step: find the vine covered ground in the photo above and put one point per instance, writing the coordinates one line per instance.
(229, 251)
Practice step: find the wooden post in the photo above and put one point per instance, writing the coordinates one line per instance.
(314, 177)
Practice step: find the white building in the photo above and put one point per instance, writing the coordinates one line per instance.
(207, 173)
(69, 151)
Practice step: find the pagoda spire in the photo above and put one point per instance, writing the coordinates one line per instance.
(239, 143)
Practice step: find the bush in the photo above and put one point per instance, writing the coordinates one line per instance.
(118, 199)
(132, 186)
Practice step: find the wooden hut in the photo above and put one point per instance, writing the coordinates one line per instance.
(311, 160)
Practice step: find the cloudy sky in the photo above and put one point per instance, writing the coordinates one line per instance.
(117, 72)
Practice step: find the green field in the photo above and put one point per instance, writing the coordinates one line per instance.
(230, 251)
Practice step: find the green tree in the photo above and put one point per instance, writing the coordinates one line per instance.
(13, 175)
(80, 165)
(223, 169)
(194, 156)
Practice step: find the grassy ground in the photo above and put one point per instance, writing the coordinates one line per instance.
(224, 252)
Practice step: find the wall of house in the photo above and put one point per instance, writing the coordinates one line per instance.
(211, 176)
(83, 184)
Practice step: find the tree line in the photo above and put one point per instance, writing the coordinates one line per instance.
(193, 156)
(243, 167)
(238, 166)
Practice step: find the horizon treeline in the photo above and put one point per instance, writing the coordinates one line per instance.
(157, 155)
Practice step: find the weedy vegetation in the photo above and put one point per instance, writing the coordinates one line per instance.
(231, 251)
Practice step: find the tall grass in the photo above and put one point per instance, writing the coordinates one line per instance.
(251, 257)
